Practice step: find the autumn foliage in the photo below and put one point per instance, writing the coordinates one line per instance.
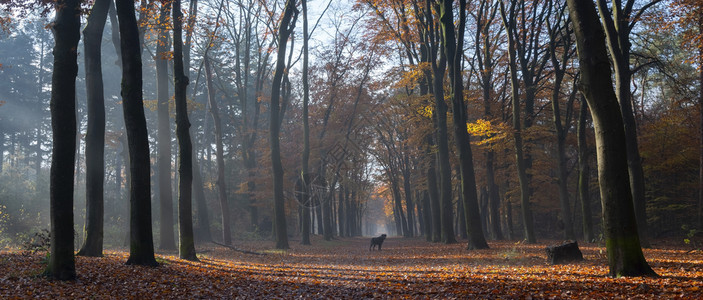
(344, 268)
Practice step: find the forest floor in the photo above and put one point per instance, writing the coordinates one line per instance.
(345, 268)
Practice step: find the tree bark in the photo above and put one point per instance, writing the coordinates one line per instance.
(66, 28)
(559, 65)
(436, 222)
(527, 220)
(284, 30)
(166, 234)
(221, 183)
(625, 256)
(306, 125)
(141, 250)
(115, 32)
(617, 31)
(584, 174)
(700, 113)
(95, 134)
(453, 47)
(186, 248)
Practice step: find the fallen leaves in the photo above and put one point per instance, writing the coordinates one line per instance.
(406, 268)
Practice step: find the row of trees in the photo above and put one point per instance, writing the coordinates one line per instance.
(504, 72)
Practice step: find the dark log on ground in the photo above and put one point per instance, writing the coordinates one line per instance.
(564, 253)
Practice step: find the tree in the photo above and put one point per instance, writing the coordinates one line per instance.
(618, 22)
(95, 135)
(560, 37)
(439, 64)
(285, 28)
(453, 46)
(625, 256)
(584, 173)
(168, 241)
(186, 248)
(221, 183)
(508, 22)
(215, 112)
(66, 28)
(141, 250)
(306, 128)
(486, 63)
(691, 17)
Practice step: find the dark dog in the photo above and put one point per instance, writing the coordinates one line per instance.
(377, 241)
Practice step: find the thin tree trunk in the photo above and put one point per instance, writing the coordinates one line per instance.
(517, 133)
(66, 28)
(284, 30)
(95, 135)
(700, 114)
(115, 33)
(202, 226)
(186, 248)
(625, 257)
(584, 174)
(167, 237)
(306, 125)
(141, 250)
(560, 127)
(221, 183)
(433, 193)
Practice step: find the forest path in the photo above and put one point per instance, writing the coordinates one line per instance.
(345, 268)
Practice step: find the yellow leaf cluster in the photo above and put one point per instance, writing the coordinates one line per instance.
(490, 132)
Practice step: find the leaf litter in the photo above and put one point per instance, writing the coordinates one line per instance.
(345, 268)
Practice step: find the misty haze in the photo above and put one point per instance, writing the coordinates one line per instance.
(351, 149)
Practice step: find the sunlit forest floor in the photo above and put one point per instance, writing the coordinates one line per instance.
(345, 268)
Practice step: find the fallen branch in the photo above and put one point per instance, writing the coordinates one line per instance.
(239, 250)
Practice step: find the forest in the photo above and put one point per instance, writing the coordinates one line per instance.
(256, 146)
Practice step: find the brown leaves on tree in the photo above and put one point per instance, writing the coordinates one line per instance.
(344, 268)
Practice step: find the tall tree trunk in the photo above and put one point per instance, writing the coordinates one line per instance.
(95, 135)
(166, 234)
(625, 256)
(221, 183)
(66, 28)
(306, 125)
(584, 174)
(202, 226)
(560, 127)
(453, 46)
(427, 216)
(433, 192)
(284, 30)
(617, 30)
(527, 220)
(141, 250)
(186, 248)
(115, 33)
(2, 149)
(700, 114)
(327, 212)
(408, 191)
(445, 172)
